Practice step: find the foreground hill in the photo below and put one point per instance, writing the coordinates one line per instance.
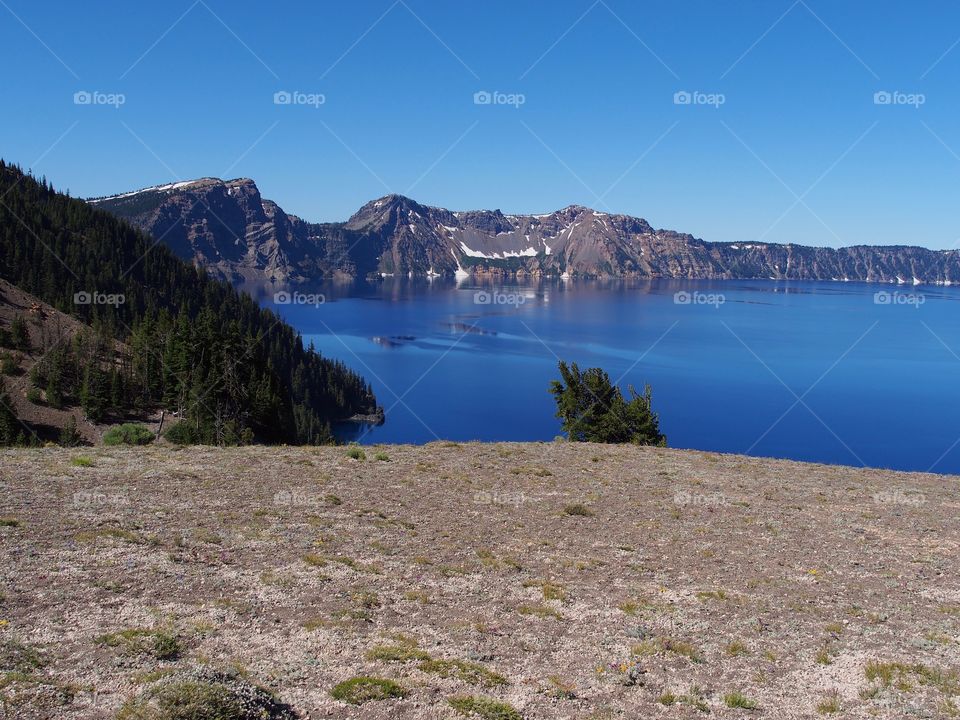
(569, 581)
(227, 227)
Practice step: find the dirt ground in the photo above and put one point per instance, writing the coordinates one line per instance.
(566, 580)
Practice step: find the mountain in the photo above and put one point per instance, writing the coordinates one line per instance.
(228, 370)
(228, 228)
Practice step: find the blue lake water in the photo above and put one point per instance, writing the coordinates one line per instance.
(824, 372)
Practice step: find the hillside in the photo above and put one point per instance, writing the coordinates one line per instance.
(570, 581)
(48, 328)
(228, 228)
(197, 346)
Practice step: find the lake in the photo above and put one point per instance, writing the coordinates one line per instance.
(848, 373)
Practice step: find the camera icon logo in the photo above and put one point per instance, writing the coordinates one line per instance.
(281, 297)
(482, 97)
(682, 298)
(682, 97)
(882, 97)
(482, 297)
(82, 97)
(82, 298)
(282, 97)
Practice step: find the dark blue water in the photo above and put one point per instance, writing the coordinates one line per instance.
(809, 371)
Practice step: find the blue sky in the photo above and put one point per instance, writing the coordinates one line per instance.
(798, 151)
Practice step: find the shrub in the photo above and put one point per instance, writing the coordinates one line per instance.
(739, 700)
(356, 453)
(128, 434)
(69, 435)
(10, 363)
(592, 409)
(203, 694)
(140, 641)
(359, 690)
(183, 433)
(382, 457)
(485, 708)
(468, 672)
(578, 509)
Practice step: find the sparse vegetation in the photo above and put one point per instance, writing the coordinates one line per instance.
(161, 644)
(468, 672)
(739, 700)
(578, 510)
(483, 708)
(829, 704)
(356, 453)
(203, 694)
(359, 690)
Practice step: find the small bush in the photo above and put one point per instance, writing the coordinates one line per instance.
(204, 694)
(10, 363)
(82, 461)
(739, 700)
(397, 653)
(356, 453)
(830, 704)
(183, 433)
(468, 672)
(472, 706)
(128, 434)
(578, 510)
(15, 657)
(381, 457)
(359, 690)
(140, 641)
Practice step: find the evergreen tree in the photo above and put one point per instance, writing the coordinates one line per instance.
(20, 334)
(592, 409)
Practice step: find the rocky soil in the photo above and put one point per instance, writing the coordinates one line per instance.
(563, 580)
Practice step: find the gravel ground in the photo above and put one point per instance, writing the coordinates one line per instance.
(566, 580)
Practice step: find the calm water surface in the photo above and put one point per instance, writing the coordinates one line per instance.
(825, 372)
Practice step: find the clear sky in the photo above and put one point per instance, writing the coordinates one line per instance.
(782, 141)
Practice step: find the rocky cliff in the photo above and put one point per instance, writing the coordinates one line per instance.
(227, 227)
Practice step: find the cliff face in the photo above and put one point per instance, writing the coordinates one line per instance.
(227, 227)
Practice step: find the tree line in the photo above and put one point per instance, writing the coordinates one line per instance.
(166, 336)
